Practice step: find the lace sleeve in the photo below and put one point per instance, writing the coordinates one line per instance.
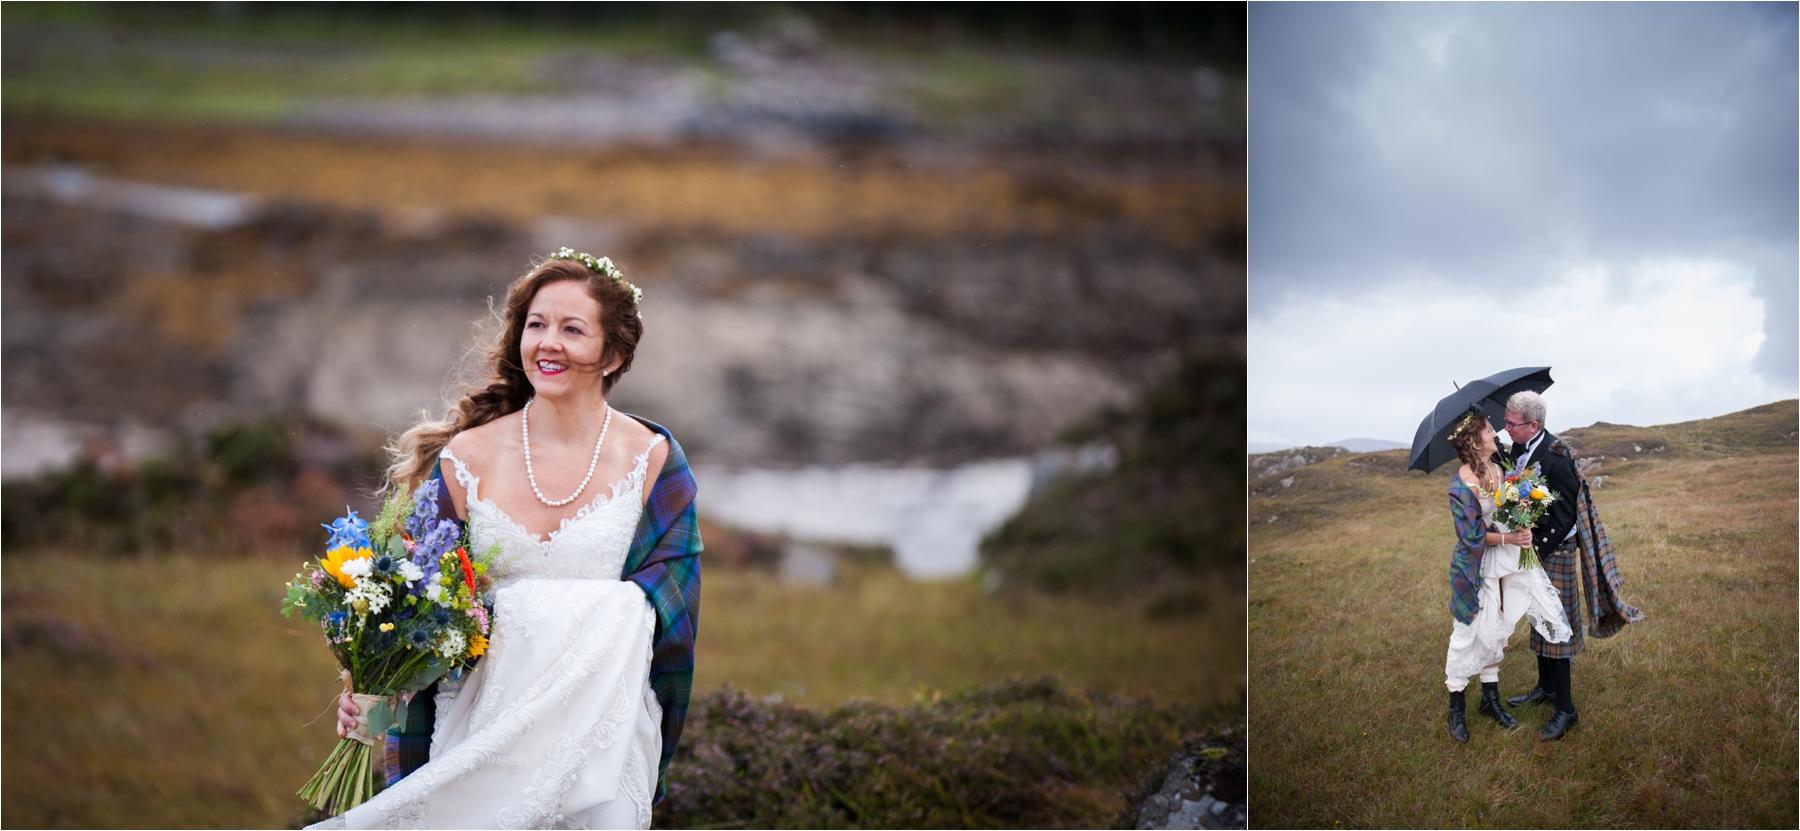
(465, 479)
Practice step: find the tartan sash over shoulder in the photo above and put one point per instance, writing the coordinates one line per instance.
(1589, 564)
(1607, 610)
(1465, 559)
(664, 561)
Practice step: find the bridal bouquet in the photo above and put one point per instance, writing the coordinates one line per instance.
(1520, 503)
(401, 603)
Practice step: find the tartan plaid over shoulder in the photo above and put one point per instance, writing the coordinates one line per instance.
(664, 561)
(1465, 558)
(1587, 562)
(1607, 610)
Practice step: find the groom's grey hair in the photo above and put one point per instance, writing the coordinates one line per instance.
(1528, 404)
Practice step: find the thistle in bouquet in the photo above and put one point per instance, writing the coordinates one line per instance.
(1520, 502)
(401, 603)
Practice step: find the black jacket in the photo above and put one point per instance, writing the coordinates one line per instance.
(1557, 462)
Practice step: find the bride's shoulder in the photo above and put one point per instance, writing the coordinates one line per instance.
(644, 436)
(641, 436)
(476, 445)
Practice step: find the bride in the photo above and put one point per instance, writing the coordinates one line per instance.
(1488, 590)
(572, 715)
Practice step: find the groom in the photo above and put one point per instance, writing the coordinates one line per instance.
(1554, 538)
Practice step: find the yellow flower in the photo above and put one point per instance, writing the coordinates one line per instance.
(337, 557)
(1539, 493)
(478, 644)
(387, 627)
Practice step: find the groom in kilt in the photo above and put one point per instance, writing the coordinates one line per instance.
(1569, 540)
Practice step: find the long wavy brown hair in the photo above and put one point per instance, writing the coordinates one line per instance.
(505, 388)
(1466, 440)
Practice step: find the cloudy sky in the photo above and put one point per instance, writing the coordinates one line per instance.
(1439, 192)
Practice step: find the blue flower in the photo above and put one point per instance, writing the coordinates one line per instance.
(348, 530)
(418, 587)
(419, 638)
(383, 566)
(425, 507)
(440, 617)
(439, 539)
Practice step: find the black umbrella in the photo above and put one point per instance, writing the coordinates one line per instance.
(1431, 444)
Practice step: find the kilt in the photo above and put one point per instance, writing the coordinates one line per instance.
(1562, 567)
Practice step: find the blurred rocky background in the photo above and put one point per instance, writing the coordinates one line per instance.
(943, 301)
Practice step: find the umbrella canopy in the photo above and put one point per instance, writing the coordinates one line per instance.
(1431, 443)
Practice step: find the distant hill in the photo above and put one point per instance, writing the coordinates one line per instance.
(1369, 445)
(1352, 445)
(1267, 465)
(1746, 432)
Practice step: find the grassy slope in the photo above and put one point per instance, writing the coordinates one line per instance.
(169, 692)
(1688, 719)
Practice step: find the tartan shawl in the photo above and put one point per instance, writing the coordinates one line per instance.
(664, 561)
(1465, 558)
(1607, 610)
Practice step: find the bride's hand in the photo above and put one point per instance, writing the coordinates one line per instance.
(347, 715)
(1518, 538)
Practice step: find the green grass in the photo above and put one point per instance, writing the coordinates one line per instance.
(161, 82)
(264, 68)
(169, 691)
(1688, 718)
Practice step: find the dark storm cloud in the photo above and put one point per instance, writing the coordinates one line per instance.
(1495, 145)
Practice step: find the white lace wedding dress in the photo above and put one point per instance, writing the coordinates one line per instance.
(1507, 593)
(556, 726)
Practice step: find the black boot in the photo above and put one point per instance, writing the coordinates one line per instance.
(1491, 707)
(1458, 729)
(1536, 695)
(1565, 716)
(1544, 691)
(1558, 725)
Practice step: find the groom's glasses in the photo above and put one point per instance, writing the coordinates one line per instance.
(1511, 423)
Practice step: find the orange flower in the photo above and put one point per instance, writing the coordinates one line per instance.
(467, 570)
(478, 643)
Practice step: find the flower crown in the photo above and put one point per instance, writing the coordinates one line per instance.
(604, 267)
(1468, 420)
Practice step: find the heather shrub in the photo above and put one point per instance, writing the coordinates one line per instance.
(1017, 754)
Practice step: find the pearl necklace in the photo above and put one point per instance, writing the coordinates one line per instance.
(525, 435)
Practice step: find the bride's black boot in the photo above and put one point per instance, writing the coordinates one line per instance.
(1491, 707)
(1458, 729)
